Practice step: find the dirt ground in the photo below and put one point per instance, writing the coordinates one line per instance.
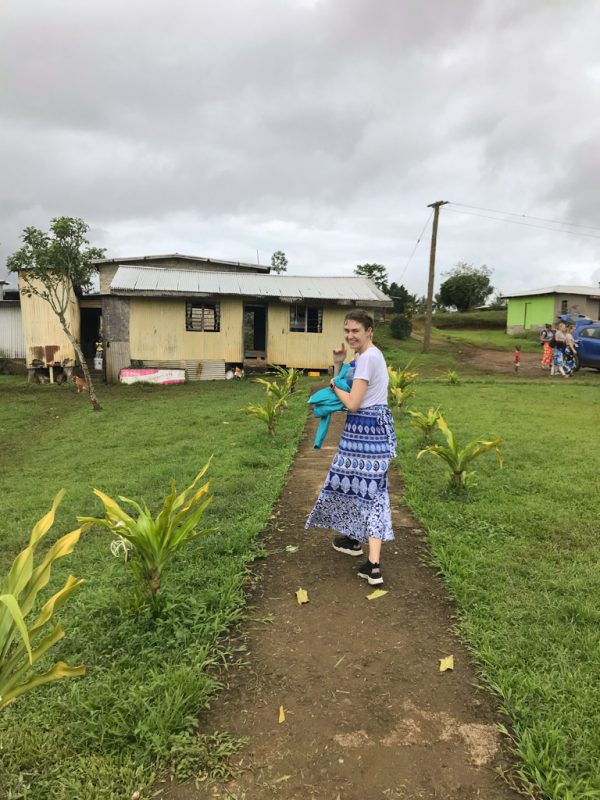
(368, 714)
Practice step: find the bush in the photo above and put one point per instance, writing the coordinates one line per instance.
(401, 327)
(470, 319)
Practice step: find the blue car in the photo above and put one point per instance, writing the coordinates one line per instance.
(588, 345)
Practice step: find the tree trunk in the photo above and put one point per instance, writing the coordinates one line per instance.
(81, 358)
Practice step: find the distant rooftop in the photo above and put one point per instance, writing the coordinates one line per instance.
(179, 256)
(590, 291)
(287, 288)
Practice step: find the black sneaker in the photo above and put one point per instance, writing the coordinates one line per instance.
(372, 573)
(344, 544)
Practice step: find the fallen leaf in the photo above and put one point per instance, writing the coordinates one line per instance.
(302, 596)
(291, 548)
(377, 593)
(446, 663)
(281, 714)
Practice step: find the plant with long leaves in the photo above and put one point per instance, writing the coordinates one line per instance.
(279, 391)
(400, 378)
(268, 412)
(154, 541)
(452, 377)
(458, 458)
(399, 396)
(426, 421)
(24, 643)
(290, 377)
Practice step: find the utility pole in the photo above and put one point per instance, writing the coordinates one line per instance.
(429, 310)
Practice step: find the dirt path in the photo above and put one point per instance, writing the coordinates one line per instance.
(367, 713)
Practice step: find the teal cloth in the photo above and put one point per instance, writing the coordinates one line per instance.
(325, 403)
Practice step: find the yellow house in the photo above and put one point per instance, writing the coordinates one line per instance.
(200, 318)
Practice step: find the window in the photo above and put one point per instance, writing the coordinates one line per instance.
(202, 317)
(589, 333)
(306, 319)
(564, 306)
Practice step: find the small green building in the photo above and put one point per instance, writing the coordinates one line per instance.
(532, 309)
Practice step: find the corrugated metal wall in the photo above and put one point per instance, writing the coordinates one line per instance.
(12, 340)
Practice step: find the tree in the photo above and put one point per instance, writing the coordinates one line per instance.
(404, 302)
(51, 266)
(466, 287)
(375, 272)
(279, 262)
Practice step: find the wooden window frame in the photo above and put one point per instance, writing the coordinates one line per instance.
(199, 324)
(306, 308)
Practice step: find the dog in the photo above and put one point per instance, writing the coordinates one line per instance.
(80, 384)
(238, 373)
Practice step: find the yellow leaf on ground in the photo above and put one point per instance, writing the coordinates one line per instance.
(377, 593)
(281, 714)
(446, 663)
(302, 596)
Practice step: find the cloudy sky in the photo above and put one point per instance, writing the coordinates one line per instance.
(323, 128)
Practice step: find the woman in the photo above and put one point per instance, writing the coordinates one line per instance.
(560, 343)
(546, 339)
(354, 499)
(570, 354)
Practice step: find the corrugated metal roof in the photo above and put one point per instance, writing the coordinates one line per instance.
(594, 291)
(290, 288)
(180, 256)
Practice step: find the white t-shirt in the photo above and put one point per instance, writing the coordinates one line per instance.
(371, 367)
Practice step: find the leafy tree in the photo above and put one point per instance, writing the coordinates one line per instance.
(404, 302)
(53, 264)
(466, 286)
(279, 262)
(401, 326)
(377, 273)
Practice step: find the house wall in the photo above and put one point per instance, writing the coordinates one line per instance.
(577, 303)
(157, 332)
(546, 308)
(12, 341)
(45, 340)
(304, 350)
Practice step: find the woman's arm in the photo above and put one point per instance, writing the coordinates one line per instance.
(352, 399)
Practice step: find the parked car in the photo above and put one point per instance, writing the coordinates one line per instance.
(579, 320)
(588, 345)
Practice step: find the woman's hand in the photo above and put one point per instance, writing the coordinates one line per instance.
(339, 355)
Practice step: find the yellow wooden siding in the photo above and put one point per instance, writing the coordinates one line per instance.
(304, 350)
(157, 332)
(45, 339)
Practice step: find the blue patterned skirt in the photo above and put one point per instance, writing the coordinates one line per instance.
(354, 499)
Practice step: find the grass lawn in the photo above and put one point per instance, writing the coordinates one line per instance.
(521, 555)
(490, 339)
(106, 735)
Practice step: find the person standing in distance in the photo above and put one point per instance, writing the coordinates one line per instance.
(354, 500)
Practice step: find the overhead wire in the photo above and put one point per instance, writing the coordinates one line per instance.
(410, 258)
(528, 216)
(526, 224)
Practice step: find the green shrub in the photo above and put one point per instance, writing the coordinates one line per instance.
(401, 327)
(470, 319)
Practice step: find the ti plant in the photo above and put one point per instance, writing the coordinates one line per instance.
(459, 458)
(267, 413)
(23, 642)
(426, 421)
(279, 391)
(289, 377)
(452, 377)
(154, 541)
(399, 396)
(401, 378)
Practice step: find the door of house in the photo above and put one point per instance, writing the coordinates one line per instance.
(117, 358)
(525, 313)
(255, 331)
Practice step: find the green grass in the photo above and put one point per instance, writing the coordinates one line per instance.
(469, 319)
(520, 553)
(106, 735)
(492, 339)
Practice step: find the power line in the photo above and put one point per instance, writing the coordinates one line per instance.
(410, 258)
(527, 216)
(526, 224)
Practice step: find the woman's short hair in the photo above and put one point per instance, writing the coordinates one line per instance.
(362, 316)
